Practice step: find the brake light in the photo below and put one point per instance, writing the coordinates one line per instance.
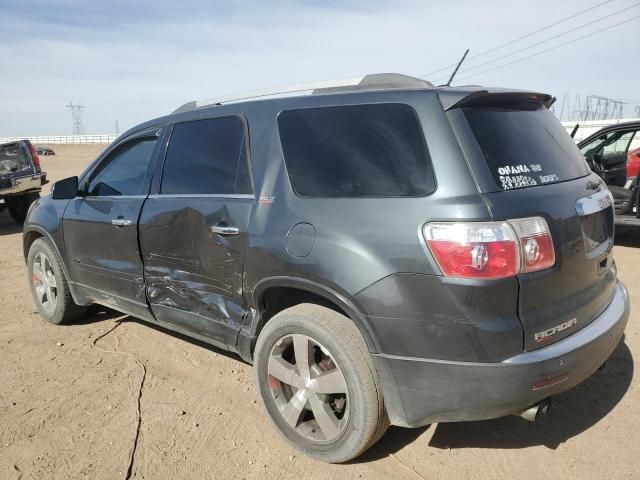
(34, 157)
(490, 249)
(474, 250)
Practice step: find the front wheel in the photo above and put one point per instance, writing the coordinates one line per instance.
(318, 383)
(49, 286)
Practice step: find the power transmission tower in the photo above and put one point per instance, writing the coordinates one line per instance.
(76, 115)
(577, 112)
(593, 107)
(601, 108)
(565, 101)
(117, 128)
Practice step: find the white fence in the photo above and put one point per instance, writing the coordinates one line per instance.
(592, 126)
(66, 139)
(586, 128)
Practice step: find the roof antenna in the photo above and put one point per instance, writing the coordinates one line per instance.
(456, 70)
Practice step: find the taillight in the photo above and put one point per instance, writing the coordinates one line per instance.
(34, 157)
(535, 243)
(490, 249)
(474, 250)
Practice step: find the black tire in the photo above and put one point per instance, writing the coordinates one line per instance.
(366, 421)
(65, 310)
(19, 206)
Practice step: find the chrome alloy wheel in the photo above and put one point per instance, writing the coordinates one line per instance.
(308, 388)
(45, 283)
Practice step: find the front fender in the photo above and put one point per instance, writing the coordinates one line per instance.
(44, 219)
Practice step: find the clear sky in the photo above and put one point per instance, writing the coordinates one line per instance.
(132, 61)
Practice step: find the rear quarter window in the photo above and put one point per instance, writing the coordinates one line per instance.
(525, 148)
(375, 150)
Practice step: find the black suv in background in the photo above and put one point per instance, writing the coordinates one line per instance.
(383, 251)
(21, 178)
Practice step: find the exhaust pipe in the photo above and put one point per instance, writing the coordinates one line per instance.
(534, 412)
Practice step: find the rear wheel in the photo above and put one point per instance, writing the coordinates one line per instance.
(318, 383)
(19, 206)
(49, 286)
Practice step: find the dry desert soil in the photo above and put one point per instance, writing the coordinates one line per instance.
(69, 399)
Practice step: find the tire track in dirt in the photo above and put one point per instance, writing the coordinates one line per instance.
(134, 447)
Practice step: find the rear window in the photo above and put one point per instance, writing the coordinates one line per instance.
(13, 158)
(525, 148)
(356, 151)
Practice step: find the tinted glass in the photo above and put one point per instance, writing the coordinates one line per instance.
(610, 143)
(124, 171)
(356, 151)
(525, 148)
(207, 157)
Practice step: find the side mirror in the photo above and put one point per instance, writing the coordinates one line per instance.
(65, 189)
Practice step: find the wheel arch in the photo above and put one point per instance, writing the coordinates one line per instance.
(30, 236)
(33, 233)
(317, 293)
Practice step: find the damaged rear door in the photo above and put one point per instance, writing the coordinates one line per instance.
(193, 231)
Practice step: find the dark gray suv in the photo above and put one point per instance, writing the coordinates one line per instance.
(383, 251)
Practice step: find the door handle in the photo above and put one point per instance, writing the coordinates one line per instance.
(224, 229)
(120, 222)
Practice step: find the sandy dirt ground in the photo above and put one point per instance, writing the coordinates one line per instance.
(69, 399)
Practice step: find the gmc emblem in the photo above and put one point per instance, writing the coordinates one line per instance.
(544, 335)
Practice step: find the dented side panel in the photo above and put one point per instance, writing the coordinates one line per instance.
(193, 275)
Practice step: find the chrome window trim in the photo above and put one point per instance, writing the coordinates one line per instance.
(204, 195)
(110, 197)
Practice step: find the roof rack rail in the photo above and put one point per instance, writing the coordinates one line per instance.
(366, 82)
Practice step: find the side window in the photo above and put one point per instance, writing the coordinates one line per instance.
(124, 171)
(610, 144)
(635, 142)
(618, 143)
(375, 150)
(207, 157)
(592, 146)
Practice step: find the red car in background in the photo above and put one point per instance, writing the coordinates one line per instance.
(633, 164)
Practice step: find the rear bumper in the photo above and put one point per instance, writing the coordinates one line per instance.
(422, 391)
(17, 185)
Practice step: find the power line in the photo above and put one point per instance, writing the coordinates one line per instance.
(511, 42)
(553, 48)
(562, 34)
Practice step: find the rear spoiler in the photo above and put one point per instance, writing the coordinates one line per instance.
(507, 99)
